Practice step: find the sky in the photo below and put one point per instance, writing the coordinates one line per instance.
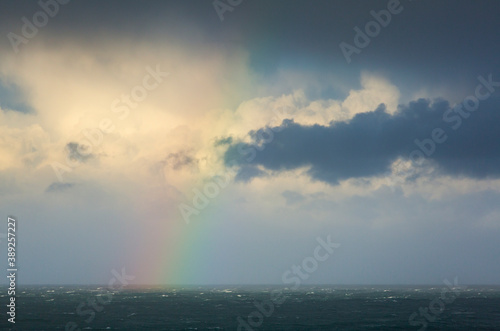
(235, 142)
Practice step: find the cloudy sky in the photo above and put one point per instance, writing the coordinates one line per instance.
(200, 142)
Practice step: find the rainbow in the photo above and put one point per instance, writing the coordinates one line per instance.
(176, 253)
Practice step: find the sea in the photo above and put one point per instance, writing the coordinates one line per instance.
(443, 307)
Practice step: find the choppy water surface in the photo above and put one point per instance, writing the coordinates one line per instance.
(257, 308)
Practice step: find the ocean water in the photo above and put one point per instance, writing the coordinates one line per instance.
(254, 308)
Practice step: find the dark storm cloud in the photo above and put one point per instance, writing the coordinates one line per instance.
(424, 35)
(426, 44)
(367, 144)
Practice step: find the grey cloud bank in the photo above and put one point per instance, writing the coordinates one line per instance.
(467, 139)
